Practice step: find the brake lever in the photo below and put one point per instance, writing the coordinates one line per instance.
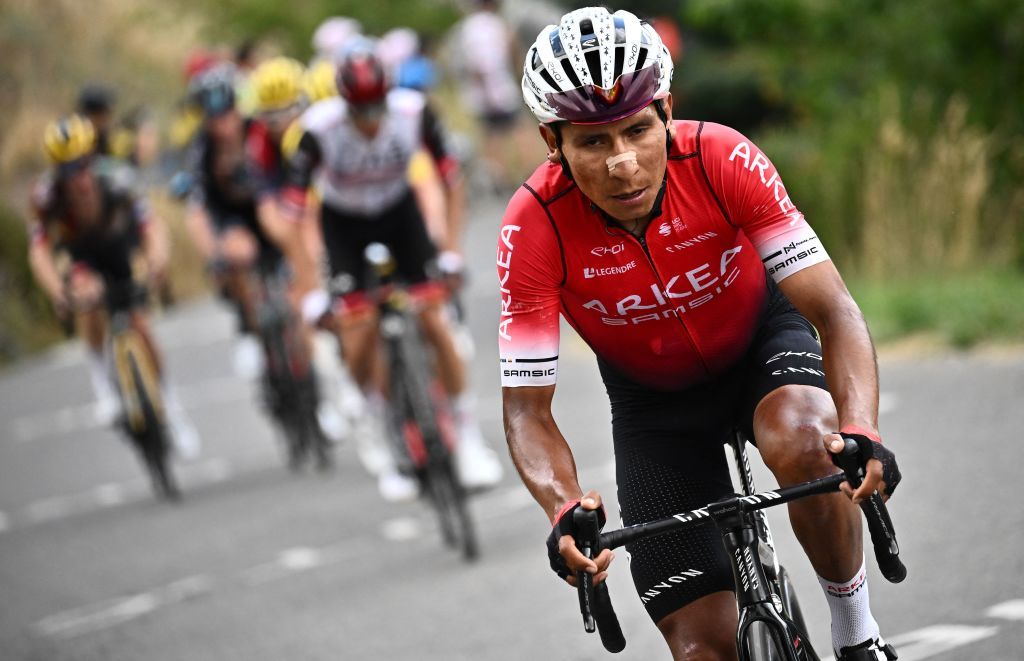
(587, 539)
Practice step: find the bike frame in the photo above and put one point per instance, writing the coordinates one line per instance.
(756, 566)
(735, 516)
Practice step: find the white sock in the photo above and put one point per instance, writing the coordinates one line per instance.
(852, 622)
(99, 375)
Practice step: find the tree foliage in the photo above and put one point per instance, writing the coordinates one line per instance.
(846, 76)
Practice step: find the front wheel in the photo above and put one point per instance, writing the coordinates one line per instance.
(427, 437)
(151, 438)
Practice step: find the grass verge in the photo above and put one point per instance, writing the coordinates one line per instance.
(962, 309)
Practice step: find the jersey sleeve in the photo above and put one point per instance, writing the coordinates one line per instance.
(40, 200)
(259, 161)
(753, 197)
(529, 278)
(301, 158)
(435, 141)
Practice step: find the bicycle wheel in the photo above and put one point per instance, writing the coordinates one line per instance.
(792, 611)
(447, 495)
(151, 439)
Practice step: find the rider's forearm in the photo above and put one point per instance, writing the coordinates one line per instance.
(543, 459)
(851, 368)
(197, 221)
(45, 270)
(156, 244)
(455, 205)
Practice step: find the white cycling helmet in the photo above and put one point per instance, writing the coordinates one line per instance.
(595, 67)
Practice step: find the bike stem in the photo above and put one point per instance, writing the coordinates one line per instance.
(740, 539)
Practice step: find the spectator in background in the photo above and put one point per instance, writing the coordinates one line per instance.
(490, 89)
(333, 35)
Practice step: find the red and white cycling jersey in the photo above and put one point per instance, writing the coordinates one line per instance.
(669, 310)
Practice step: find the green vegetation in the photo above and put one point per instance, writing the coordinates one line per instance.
(961, 310)
(896, 124)
(27, 322)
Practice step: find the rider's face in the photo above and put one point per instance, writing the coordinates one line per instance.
(78, 178)
(225, 125)
(628, 191)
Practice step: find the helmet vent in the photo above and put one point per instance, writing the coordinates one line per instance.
(620, 60)
(640, 59)
(620, 30)
(573, 78)
(548, 79)
(556, 43)
(594, 64)
(587, 37)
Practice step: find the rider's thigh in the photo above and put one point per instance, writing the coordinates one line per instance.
(703, 630)
(434, 324)
(238, 247)
(358, 337)
(789, 424)
(140, 323)
(91, 326)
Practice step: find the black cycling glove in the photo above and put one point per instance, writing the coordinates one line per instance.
(868, 448)
(564, 525)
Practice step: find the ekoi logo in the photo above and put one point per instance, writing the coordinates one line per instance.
(601, 251)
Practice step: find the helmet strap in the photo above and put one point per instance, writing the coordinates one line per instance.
(557, 130)
(659, 107)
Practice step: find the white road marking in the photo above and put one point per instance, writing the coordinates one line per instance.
(48, 509)
(887, 402)
(78, 418)
(210, 471)
(112, 612)
(301, 558)
(1008, 610)
(108, 495)
(930, 641)
(401, 529)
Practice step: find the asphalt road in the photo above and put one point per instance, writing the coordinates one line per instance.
(258, 563)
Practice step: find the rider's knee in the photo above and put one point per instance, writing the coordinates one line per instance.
(703, 630)
(789, 428)
(435, 328)
(238, 248)
(715, 644)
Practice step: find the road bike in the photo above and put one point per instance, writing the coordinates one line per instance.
(134, 373)
(421, 415)
(771, 625)
(289, 381)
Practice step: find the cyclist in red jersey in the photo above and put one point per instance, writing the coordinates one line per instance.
(674, 250)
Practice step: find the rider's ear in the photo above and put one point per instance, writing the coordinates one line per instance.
(554, 151)
(671, 126)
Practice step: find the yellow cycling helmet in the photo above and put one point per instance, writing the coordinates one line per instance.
(320, 83)
(277, 84)
(69, 139)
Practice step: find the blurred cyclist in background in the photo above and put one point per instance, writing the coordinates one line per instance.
(221, 215)
(95, 215)
(357, 148)
(96, 103)
(279, 99)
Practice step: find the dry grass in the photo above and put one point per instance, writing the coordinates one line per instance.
(925, 195)
(52, 47)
